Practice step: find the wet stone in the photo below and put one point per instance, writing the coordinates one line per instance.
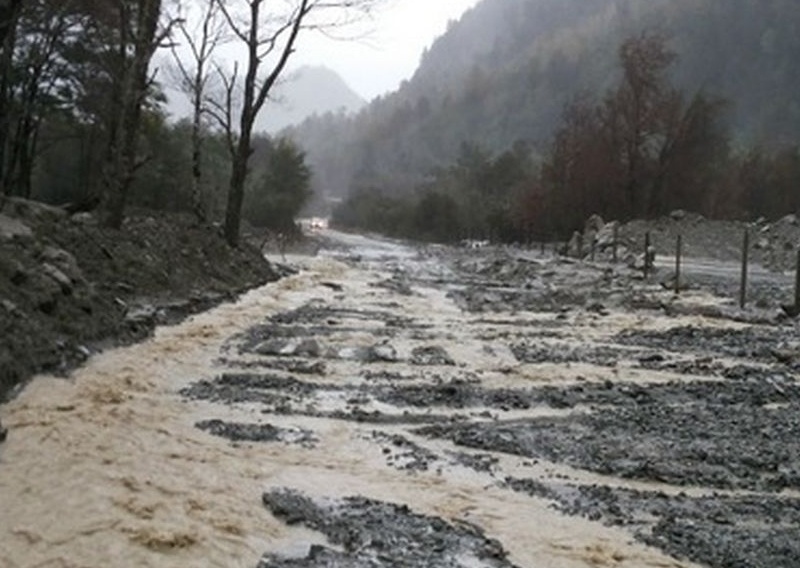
(298, 366)
(401, 453)
(457, 393)
(289, 348)
(431, 356)
(375, 534)
(482, 463)
(233, 388)
(239, 432)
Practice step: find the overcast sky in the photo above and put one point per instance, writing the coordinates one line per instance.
(397, 36)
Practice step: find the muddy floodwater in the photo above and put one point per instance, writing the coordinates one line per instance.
(399, 406)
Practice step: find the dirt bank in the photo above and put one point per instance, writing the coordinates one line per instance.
(69, 287)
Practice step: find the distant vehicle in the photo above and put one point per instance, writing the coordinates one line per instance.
(314, 223)
(474, 244)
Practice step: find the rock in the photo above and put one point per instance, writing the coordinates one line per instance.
(605, 236)
(594, 224)
(84, 218)
(3, 433)
(64, 261)
(308, 348)
(384, 352)
(289, 347)
(430, 356)
(360, 354)
(668, 282)
(63, 281)
(575, 247)
(761, 244)
(786, 355)
(11, 228)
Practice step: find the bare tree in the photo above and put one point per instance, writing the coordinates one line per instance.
(201, 41)
(269, 38)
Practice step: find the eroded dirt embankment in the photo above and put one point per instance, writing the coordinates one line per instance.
(428, 408)
(69, 287)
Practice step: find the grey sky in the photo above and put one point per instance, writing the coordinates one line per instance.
(397, 35)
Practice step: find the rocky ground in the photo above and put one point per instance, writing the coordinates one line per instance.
(69, 288)
(773, 245)
(394, 405)
(676, 422)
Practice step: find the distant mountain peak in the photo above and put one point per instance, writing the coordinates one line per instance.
(304, 92)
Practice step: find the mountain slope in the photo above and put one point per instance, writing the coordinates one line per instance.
(504, 72)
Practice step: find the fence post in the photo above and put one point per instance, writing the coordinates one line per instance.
(745, 262)
(647, 254)
(678, 253)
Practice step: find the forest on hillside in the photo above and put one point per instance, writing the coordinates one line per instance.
(502, 81)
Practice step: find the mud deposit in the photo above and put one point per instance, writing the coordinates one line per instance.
(389, 406)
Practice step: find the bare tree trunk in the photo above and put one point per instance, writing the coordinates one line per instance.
(193, 81)
(233, 210)
(254, 99)
(197, 170)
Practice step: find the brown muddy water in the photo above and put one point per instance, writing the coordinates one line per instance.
(348, 415)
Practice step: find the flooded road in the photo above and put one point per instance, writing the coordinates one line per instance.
(389, 406)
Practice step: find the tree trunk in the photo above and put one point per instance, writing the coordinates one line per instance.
(197, 172)
(233, 210)
(9, 16)
(123, 162)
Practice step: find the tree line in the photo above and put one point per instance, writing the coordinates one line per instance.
(506, 69)
(81, 103)
(641, 149)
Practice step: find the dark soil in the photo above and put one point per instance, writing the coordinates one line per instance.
(69, 287)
